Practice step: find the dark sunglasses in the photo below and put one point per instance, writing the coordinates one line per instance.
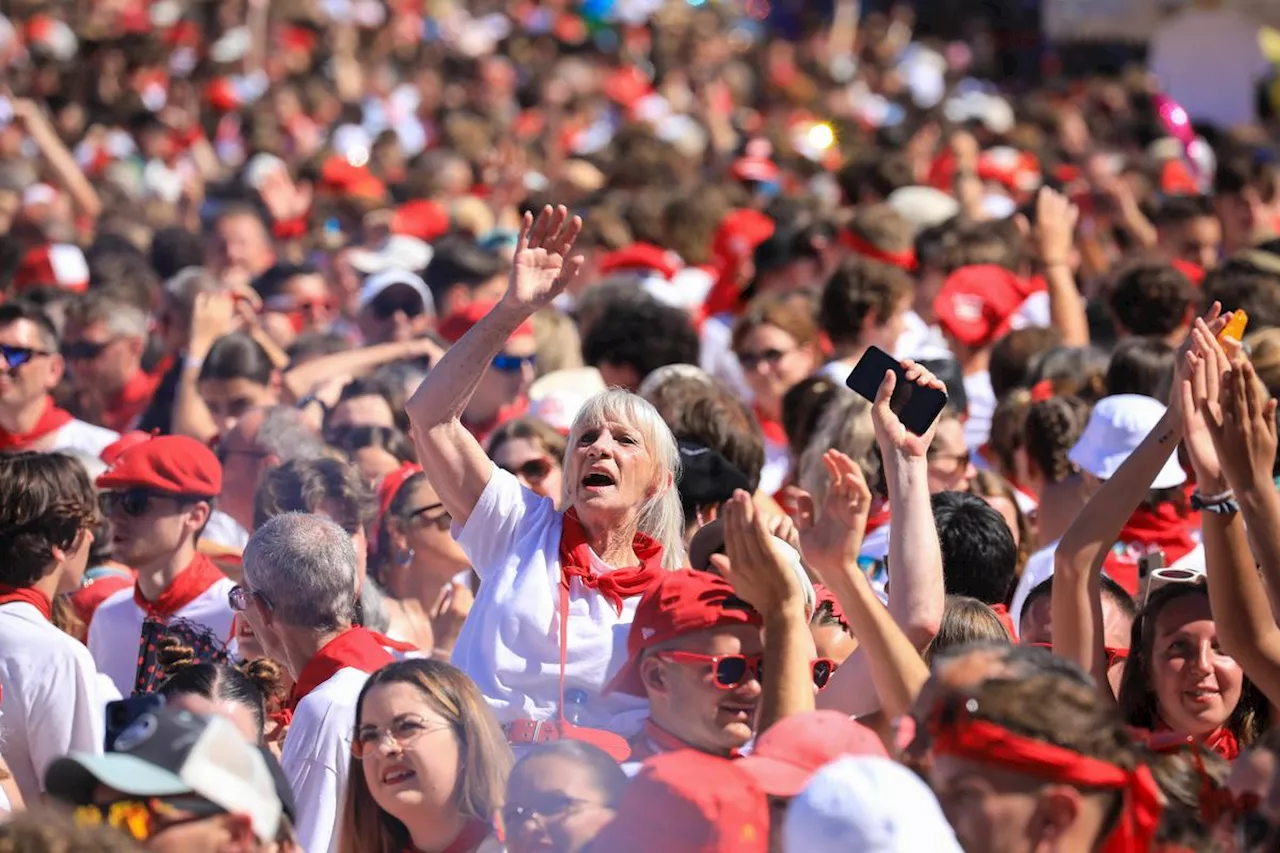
(15, 357)
(512, 363)
(442, 521)
(136, 503)
(751, 360)
(728, 671)
(386, 308)
(83, 350)
(533, 470)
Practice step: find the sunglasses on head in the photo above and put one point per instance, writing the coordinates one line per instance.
(729, 671)
(533, 470)
(15, 357)
(140, 819)
(136, 503)
(386, 307)
(83, 350)
(512, 363)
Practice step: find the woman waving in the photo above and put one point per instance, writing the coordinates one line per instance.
(558, 589)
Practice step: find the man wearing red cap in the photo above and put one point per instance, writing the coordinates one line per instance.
(30, 368)
(160, 496)
(503, 390)
(694, 650)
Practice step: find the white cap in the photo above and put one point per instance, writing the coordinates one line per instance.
(867, 805)
(233, 45)
(375, 284)
(924, 207)
(397, 252)
(1116, 427)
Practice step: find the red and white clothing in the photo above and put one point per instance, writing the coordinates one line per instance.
(777, 454)
(197, 595)
(317, 748)
(510, 642)
(52, 702)
(57, 430)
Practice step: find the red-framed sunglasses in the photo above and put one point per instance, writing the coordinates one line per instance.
(729, 671)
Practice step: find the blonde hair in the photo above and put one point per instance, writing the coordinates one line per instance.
(556, 339)
(661, 516)
(845, 426)
(484, 759)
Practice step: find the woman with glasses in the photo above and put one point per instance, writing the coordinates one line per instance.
(776, 342)
(429, 765)
(559, 796)
(531, 450)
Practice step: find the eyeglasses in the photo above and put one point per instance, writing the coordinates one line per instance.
(15, 357)
(386, 307)
(238, 598)
(547, 807)
(962, 460)
(144, 819)
(1114, 655)
(533, 470)
(84, 350)
(729, 671)
(512, 363)
(403, 731)
(442, 521)
(751, 360)
(136, 503)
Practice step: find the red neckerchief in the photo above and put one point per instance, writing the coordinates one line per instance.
(388, 643)
(661, 741)
(1002, 613)
(1162, 528)
(879, 515)
(990, 743)
(1221, 740)
(356, 648)
(191, 583)
(51, 418)
(619, 584)
(471, 837)
(34, 597)
(772, 429)
(125, 408)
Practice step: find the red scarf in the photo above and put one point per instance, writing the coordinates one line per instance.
(905, 259)
(1163, 528)
(355, 648)
(124, 409)
(52, 418)
(29, 595)
(621, 583)
(471, 837)
(1221, 740)
(879, 515)
(1002, 613)
(989, 743)
(772, 429)
(191, 583)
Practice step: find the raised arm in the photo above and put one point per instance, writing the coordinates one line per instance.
(1056, 219)
(453, 460)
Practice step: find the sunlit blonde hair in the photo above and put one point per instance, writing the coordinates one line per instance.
(661, 516)
(484, 759)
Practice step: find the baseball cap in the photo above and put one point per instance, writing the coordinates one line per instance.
(167, 753)
(399, 252)
(682, 602)
(378, 282)
(796, 747)
(689, 802)
(176, 464)
(1116, 427)
(867, 805)
(706, 477)
(976, 303)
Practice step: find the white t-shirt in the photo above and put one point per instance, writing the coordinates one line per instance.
(224, 530)
(1210, 61)
(51, 701)
(777, 466)
(919, 341)
(116, 629)
(717, 358)
(980, 409)
(82, 437)
(317, 756)
(510, 642)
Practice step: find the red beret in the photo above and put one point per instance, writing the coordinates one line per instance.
(176, 464)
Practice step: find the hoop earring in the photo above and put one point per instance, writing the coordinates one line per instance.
(405, 558)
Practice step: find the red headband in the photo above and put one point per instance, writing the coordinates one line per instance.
(387, 490)
(905, 259)
(990, 743)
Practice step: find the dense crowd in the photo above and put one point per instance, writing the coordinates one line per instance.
(452, 427)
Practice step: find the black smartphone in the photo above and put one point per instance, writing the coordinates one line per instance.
(915, 405)
(125, 712)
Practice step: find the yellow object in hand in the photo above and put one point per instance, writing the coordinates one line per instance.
(1235, 327)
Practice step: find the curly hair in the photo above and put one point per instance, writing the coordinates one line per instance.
(1152, 299)
(46, 502)
(642, 335)
(1051, 429)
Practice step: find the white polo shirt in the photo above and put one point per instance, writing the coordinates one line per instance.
(317, 757)
(51, 701)
(116, 629)
(83, 437)
(510, 642)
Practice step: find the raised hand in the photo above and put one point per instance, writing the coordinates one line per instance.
(759, 574)
(833, 538)
(285, 200)
(1243, 427)
(1200, 376)
(541, 268)
(895, 440)
(1055, 230)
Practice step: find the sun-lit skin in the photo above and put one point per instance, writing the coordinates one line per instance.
(1197, 686)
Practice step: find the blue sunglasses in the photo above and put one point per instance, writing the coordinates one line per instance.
(15, 357)
(512, 363)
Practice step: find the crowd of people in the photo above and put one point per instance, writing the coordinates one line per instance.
(430, 428)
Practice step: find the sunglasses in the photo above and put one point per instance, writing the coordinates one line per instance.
(442, 521)
(1114, 655)
(15, 357)
(751, 360)
(534, 470)
(384, 308)
(238, 598)
(512, 363)
(729, 671)
(547, 807)
(136, 503)
(143, 819)
(84, 350)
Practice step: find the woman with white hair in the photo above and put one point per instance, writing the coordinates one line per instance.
(558, 589)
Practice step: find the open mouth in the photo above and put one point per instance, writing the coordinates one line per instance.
(738, 713)
(397, 775)
(597, 480)
(1202, 695)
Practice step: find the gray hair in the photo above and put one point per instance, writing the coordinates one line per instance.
(304, 565)
(286, 435)
(845, 426)
(661, 516)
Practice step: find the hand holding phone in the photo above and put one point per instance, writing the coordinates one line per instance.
(915, 398)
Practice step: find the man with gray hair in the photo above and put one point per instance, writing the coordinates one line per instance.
(103, 344)
(297, 596)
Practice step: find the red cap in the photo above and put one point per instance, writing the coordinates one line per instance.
(638, 257)
(59, 265)
(112, 451)
(627, 85)
(683, 602)
(460, 322)
(976, 303)
(740, 232)
(222, 95)
(1176, 178)
(423, 219)
(796, 747)
(176, 464)
(689, 802)
(1194, 272)
(823, 595)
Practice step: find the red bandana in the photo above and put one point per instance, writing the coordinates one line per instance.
(1221, 740)
(191, 583)
(989, 743)
(621, 583)
(905, 259)
(51, 418)
(356, 648)
(126, 407)
(37, 599)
